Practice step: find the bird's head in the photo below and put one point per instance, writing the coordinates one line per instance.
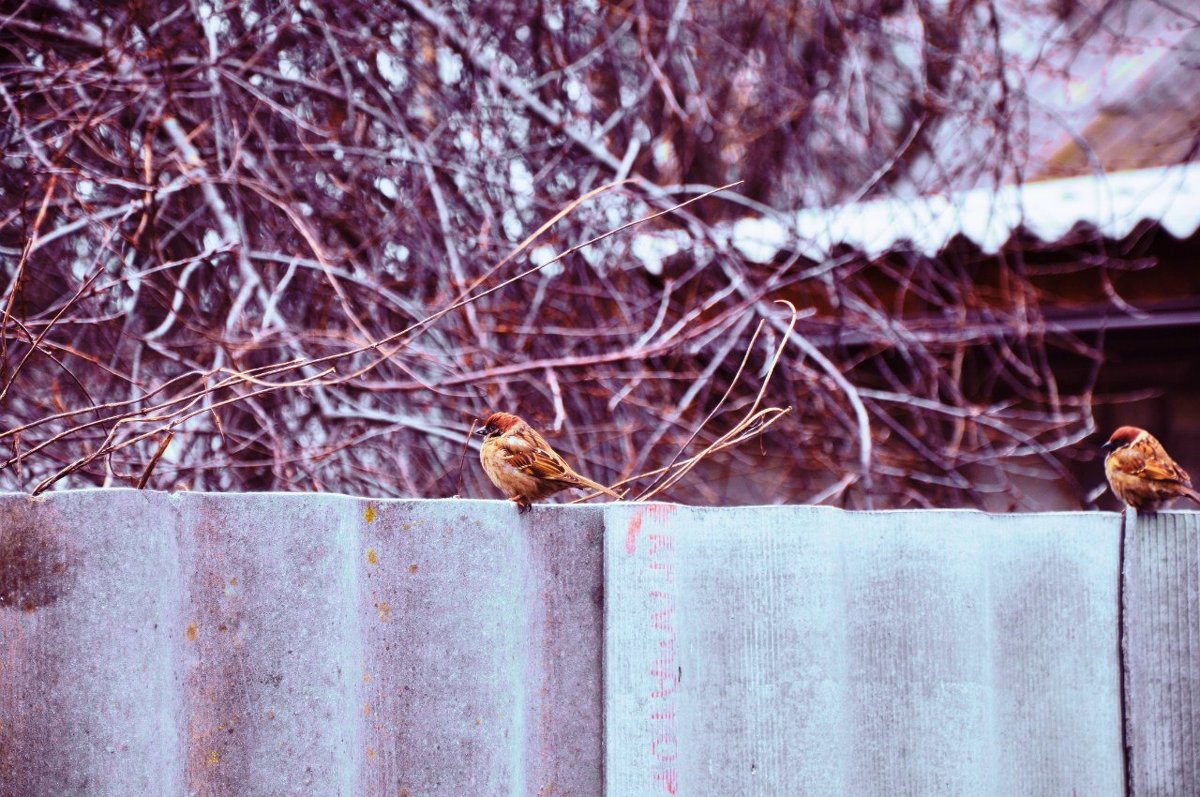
(497, 424)
(1122, 437)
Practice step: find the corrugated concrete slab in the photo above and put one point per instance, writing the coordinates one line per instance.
(286, 644)
(1162, 627)
(805, 650)
(90, 642)
(481, 649)
(271, 645)
(155, 644)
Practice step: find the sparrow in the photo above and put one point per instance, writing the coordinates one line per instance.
(1140, 471)
(523, 465)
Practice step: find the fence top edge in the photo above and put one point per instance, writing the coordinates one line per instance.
(621, 507)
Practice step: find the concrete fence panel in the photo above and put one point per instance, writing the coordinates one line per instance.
(1162, 641)
(90, 647)
(286, 644)
(805, 650)
(155, 644)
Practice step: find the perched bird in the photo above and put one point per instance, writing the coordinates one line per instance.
(523, 465)
(1140, 471)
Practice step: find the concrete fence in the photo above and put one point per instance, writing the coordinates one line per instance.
(269, 644)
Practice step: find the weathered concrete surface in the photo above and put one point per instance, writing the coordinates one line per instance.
(1162, 599)
(804, 650)
(90, 643)
(155, 644)
(482, 645)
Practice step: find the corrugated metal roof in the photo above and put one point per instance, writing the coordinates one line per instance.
(1112, 203)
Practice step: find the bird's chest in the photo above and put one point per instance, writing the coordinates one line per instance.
(1134, 489)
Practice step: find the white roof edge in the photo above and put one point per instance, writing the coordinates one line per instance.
(1113, 203)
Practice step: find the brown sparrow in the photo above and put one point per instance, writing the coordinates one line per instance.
(1140, 471)
(523, 465)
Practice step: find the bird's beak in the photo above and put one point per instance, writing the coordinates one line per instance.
(1108, 446)
(481, 431)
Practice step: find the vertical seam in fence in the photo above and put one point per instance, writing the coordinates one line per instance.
(602, 640)
(1187, 579)
(1171, 772)
(1122, 655)
(605, 667)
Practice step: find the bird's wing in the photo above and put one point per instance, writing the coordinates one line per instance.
(1160, 471)
(530, 454)
(1141, 461)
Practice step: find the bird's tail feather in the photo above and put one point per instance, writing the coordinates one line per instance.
(1192, 494)
(584, 481)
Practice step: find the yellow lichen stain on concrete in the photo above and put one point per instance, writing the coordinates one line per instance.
(385, 611)
(406, 526)
(366, 677)
(233, 581)
(412, 568)
(371, 513)
(213, 758)
(372, 556)
(193, 631)
(366, 709)
(371, 753)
